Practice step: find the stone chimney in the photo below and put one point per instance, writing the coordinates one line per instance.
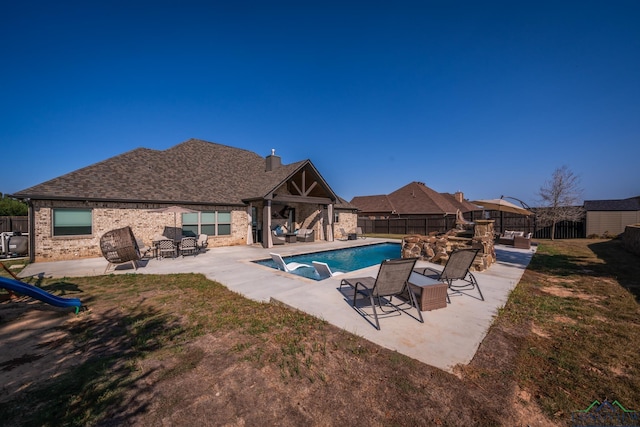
(459, 195)
(273, 161)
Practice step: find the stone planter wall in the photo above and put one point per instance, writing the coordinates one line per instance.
(436, 248)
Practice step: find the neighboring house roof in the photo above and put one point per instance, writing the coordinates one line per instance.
(343, 204)
(194, 171)
(463, 205)
(417, 198)
(379, 203)
(414, 198)
(630, 204)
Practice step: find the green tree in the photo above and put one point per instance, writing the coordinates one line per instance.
(12, 207)
(561, 199)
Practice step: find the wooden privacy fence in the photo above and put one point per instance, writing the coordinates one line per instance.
(406, 226)
(14, 223)
(440, 224)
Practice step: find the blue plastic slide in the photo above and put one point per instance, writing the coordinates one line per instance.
(37, 293)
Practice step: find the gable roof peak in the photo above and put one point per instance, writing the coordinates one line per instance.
(415, 198)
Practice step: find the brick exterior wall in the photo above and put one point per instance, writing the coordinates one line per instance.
(111, 215)
(108, 216)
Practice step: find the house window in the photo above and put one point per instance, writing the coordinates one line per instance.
(336, 217)
(209, 223)
(72, 222)
(224, 223)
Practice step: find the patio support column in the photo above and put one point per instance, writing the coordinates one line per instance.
(330, 223)
(32, 231)
(249, 225)
(267, 241)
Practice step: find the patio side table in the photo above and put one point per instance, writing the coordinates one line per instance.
(291, 237)
(431, 293)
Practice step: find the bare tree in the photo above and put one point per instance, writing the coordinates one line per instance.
(561, 199)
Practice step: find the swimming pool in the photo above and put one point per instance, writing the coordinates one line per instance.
(344, 260)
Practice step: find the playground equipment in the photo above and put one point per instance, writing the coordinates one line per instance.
(22, 288)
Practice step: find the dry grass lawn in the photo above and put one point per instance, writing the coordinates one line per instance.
(182, 350)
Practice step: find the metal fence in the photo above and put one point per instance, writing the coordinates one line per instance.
(564, 230)
(508, 221)
(14, 223)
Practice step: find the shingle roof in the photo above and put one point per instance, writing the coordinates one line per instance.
(464, 206)
(343, 204)
(379, 203)
(417, 198)
(414, 198)
(630, 204)
(194, 171)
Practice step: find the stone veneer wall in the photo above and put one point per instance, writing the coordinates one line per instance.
(309, 216)
(108, 216)
(631, 238)
(314, 217)
(348, 221)
(436, 248)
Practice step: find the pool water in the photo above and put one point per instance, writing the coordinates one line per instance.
(343, 260)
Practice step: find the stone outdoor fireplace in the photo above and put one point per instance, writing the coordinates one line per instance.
(437, 247)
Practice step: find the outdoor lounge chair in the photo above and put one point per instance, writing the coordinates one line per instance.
(305, 235)
(145, 251)
(288, 267)
(456, 269)
(203, 242)
(118, 247)
(347, 236)
(522, 242)
(277, 239)
(392, 280)
(323, 270)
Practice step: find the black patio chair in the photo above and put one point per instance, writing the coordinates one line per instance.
(392, 280)
(456, 270)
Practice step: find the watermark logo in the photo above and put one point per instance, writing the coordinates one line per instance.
(605, 414)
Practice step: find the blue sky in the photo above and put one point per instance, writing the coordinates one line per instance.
(488, 98)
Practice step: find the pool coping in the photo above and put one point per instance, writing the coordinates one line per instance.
(269, 259)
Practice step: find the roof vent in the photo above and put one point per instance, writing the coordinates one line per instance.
(273, 161)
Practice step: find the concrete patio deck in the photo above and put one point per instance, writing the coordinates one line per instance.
(448, 336)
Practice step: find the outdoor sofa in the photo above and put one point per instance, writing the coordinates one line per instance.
(517, 239)
(305, 235)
